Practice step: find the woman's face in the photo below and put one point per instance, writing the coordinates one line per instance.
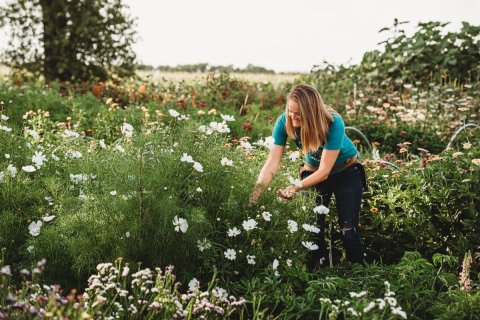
(294, 113)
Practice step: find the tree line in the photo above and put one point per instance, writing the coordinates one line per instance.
(205, 67)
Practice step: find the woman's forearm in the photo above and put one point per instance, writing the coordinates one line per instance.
(266, 176)
(314, 179)
(269, 170)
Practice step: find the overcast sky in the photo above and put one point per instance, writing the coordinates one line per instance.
(283, 35)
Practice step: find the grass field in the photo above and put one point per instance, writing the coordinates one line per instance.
(257, 77)
(156, 75)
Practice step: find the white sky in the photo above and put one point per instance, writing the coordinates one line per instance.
(283, 35)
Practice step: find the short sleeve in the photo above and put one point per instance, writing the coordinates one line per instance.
(279, 132)
(336, 134)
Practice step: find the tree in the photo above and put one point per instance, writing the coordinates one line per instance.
(69, 40)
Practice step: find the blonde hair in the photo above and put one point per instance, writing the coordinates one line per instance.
(315, 117)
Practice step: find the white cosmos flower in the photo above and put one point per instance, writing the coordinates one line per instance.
(381, 303)
(203, 244)
(368, 308)
(70, 134)
(310, 228)
(34, 134)
(221, 293)
(78, 178)
(39, 158)
(54, 157)
(358, 295)
(180, 224)
(467, 145)
(295, 182)
(289, 263)
(186, 158)
(246, 145)
(294, 156)
(230, 254)
(198, 166)
(251, 259)
(194, 285)
(206, 130)
(5, 128)
(127, 129)
(119, 148)
(220, 127)
(275, 264)
(233, 232)
(310, 245)
(7, 156)
(82, 195)
(391, 301)
(352, 311)
(268, 143)
(48, 218)
(249, 224)
(399, 311)
(113, 193)
(321, 209)
(267, 216)
(173, 113)
(226, 162)
(34, 227)
(102, 144)
(11, 170)
(292, 226)
(183, 117)
(4, 117)
(199, 190)
(6, 270)
(29, 168)
(227, 117)
(74, 154)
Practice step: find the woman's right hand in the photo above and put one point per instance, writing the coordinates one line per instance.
(256, 193)
(267, 173)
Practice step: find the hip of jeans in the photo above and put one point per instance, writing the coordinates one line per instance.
(349, 173)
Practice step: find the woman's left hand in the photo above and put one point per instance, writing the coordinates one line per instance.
(288, 193)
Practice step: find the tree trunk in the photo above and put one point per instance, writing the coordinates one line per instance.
(55, 40)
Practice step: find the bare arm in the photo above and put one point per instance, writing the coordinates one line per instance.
(326, 164)
(269, 170)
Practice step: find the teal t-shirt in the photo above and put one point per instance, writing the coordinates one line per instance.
(336, 140)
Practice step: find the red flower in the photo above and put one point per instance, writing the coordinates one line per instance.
(247, 126)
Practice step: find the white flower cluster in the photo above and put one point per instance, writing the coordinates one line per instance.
(127, 130)
(2, 127)
(114, 296)
(178, 116)
(360, 306)
(188, 159)
(11, 172)
(80, 178)
(268, 143)
(70, 134)
(220, 127)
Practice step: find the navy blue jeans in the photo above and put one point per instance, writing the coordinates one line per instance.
(347, 186)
